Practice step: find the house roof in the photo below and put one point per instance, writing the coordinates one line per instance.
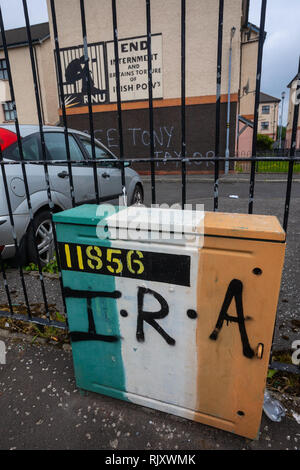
(18, 37)
(264, 98)
(253, 27)
(248, 27)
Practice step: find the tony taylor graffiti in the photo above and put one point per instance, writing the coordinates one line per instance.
(133, 66)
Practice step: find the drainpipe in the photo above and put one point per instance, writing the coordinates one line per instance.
(233, 29)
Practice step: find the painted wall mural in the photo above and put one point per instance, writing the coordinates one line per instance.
(74, 74)
(133, 66)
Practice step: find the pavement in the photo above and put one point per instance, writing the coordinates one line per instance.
(40, 406)
(229, 178)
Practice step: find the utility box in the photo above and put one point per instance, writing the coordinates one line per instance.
(179, 324)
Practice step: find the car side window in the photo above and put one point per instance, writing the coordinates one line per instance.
(30, 148)
(56, 147)
(100, 152)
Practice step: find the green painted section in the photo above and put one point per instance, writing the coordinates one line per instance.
(68, 233)
(87, 214)
(98, 364)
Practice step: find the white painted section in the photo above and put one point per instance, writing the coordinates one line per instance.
(153, 368)
(156, 224)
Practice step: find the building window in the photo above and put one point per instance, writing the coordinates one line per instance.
(3, 70)
(8, 109)
(265, 109)
(265, 125)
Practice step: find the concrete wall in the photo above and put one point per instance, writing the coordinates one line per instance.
(48, 83)
(201, 59)
(249, 51)
(23, 84)
(201, 36)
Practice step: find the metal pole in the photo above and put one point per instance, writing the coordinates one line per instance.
(256, 103)
(233, 29)
(118, 92)
(218, 103)
(183, 94)
(150, 99)
(281, 117)
(292, 156)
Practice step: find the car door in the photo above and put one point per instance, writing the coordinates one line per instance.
(109, 173)
(82, 173)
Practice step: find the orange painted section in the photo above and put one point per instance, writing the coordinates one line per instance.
(262, 227)
(230, 385)
(164, 103)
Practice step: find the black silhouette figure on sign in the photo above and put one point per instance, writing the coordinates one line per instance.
(76, 71)
(235, 290)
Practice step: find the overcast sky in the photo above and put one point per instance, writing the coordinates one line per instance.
(13, 16)
(282, 45)
(281, 51)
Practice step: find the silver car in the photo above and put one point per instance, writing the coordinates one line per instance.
(40, 231)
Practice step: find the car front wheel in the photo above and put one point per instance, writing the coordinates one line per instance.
(138, 195)
(40, 240)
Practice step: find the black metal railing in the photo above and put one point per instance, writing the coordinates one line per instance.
(256, 163)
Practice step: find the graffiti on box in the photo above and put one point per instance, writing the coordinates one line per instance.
(146, 265)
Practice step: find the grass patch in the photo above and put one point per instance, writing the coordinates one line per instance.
(280, 381)
(284, 382)
(239, 169)
(275, 167)
(51, 267)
